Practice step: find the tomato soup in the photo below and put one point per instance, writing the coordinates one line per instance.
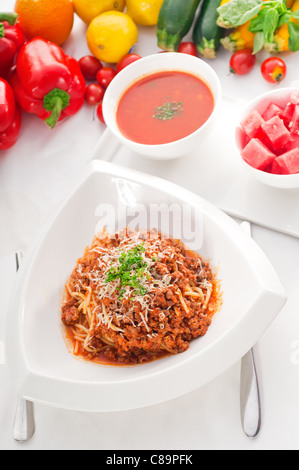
(164, 107)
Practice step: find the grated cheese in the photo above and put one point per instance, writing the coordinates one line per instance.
(139, 305)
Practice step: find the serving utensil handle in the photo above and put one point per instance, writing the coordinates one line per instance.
(24, 423)
(106, 147)
(250, 397)
(250, 404)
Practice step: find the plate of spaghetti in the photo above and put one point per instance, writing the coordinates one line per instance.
(118, 305)
(135, 297)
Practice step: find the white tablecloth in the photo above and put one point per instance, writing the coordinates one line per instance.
(35, 176)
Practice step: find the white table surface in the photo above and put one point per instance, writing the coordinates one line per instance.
(34, 179)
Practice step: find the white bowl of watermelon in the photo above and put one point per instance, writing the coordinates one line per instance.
(267, 138)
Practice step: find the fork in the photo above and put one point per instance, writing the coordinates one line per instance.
(249, 393)
(24, 424)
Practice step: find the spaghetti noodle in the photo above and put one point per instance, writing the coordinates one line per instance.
(134, 297)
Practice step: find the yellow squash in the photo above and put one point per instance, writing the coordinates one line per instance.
(240, 38)
(281, 37)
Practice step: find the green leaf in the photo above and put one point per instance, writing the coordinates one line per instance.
(282, 7)
(257, 23)
(259, 42)
(270, 25)
(238, 12)
(295, 15)
(2, 30)
(294, 37)
(285, 18)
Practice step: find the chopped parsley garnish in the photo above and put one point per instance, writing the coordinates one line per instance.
(168, 111)
(130, 270)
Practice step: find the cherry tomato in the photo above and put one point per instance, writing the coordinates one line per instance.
(105, 76)
(89, 66)
(274, 70)
(242, 62)
(188, 48)
(100, 112)
(94, 93)
(126, 60)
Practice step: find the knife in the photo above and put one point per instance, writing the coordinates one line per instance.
(250, 404)
(24, 424)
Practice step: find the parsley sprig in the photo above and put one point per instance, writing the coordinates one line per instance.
(168, 111)
(130, 271)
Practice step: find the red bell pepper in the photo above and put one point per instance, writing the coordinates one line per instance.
(47, 82)
(11, 41)
(10, 116)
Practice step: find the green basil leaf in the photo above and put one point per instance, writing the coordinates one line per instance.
(295, 15)
(238, 12)
(270, 25)
(294, 37)
(259, 42)
(2, 30)
(257, 23)
(282, 7)
(285, 18)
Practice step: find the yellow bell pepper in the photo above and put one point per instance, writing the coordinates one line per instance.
(281, 37)
(240, 38)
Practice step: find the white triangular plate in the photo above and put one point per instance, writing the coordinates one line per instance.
(43, 369)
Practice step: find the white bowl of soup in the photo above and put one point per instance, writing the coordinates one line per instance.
(163, 105)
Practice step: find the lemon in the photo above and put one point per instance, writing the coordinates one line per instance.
(87, 10)
(111, 35)
(145, 13)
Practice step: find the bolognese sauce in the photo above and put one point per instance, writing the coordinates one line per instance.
(134, 297)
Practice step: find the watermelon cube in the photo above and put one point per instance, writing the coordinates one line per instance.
(290, 108)
(252, 124)
(257, 155)
(242, 138)
(295, 97)
(271, 111)
(276, 132)
(287, 164)
(294, 124)
(288, 113)
(293, 143)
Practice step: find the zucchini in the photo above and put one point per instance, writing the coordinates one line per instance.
(206, 32)
(174, 22)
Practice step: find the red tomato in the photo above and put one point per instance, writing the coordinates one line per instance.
(105, 76)
(94, 94)
(126, 60)
(274, 70)
(188, 48)
(242, 62)
(89, 66)
(100, 112)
